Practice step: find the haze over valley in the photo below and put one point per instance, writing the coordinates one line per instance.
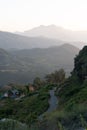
(22, 66)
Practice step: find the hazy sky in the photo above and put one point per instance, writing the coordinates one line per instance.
(20, 15)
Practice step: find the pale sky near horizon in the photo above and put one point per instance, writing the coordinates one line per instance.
(20, 15)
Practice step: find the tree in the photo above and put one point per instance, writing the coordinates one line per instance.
(27, 89)
(56, 77)
(80, 62)
(37, 82)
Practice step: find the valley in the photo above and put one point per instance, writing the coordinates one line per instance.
(22, 66)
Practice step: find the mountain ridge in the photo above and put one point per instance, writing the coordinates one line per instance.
(16, 41)
(57, 32)
(23, 66)
(11, 40)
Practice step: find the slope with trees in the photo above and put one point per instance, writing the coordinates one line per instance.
(72, 95)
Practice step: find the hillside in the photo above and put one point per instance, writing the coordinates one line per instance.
(50, 58)
(23, 66)
(14, 41)
(7, 60)
(72, 95)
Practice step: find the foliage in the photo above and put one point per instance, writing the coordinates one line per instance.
(26, 109)
(9, 124)
(27, 89)
(38, 82)
(56, 77)
(81, 64)
(72, 95)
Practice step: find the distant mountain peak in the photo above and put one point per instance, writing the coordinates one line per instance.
(57, 32)
(52, 26)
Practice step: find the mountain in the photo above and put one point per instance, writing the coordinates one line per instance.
(55, 32)
(13, 41)
(22, 66)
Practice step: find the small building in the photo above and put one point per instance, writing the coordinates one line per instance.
(11, 94)
(15, 93)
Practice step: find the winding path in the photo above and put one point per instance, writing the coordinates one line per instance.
(53, 101)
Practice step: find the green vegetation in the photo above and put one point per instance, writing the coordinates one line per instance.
(38, 83)
(72, 96)
(71, 113)
(25, 109)
(12, 125)
(28, 108)
(56, 78)
(81, 64)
